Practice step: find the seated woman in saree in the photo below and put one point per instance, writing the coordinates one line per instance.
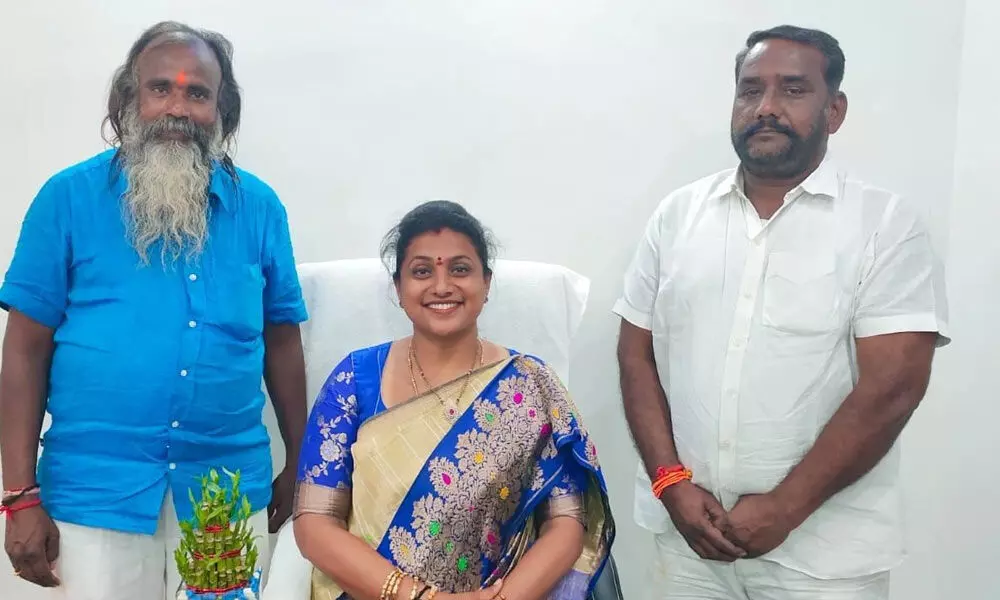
(443, 466)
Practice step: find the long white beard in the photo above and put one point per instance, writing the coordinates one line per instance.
(166, 198)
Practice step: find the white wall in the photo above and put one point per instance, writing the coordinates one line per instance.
(561, 124)
(951, 445)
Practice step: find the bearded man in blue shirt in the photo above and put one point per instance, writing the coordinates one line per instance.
(153, 287)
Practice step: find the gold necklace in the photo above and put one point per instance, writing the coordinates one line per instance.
(450, 409)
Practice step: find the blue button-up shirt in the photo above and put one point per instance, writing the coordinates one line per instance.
(156, 373)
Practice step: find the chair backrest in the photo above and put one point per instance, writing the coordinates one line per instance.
(534, 308)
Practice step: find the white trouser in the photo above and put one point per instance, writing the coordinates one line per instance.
(100, 564)
(676, 576)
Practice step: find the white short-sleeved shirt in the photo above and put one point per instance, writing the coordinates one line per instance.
(753, 328)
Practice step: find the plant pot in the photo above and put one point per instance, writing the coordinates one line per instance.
(251, 591)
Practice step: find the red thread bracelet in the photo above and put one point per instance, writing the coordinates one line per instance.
(10, 510)
(18, 493)
(666, 477)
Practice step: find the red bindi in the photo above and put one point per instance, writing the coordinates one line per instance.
(439, 261)
(181, 78)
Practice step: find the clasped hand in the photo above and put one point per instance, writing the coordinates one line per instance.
(757, 524)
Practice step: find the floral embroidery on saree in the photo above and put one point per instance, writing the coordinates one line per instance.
(458, 502)
(478, 478)
(333, 449)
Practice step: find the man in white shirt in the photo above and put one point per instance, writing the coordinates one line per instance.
(778, 326)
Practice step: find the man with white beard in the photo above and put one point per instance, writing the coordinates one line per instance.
(152, 288)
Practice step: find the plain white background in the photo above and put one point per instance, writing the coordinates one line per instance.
(561, 124)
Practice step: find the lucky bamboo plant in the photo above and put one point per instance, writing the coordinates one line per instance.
(217, 552)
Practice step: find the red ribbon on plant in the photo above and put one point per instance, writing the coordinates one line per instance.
(215, 528)
(229, 554)
(199, 590)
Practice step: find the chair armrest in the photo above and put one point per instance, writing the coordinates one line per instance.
(608, 586)
(290, 574)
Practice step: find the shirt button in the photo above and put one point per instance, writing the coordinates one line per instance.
(175, 424)
(725, 445)
(173, 466)
(184, 373)
(193, 277)
(192, 324)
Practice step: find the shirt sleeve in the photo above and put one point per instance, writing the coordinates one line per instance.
(325, 457)
(642, 279)
(902, 288)
(283, 302)
(37, 282)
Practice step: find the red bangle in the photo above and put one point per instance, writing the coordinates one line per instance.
(668, 476)
(10, 510)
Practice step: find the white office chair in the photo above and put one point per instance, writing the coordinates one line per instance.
(534, 308)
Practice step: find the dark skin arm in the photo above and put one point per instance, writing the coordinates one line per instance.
(285, 378)
(32, 540)
(698, 515)
(894, 371)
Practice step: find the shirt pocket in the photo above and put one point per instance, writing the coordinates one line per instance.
(239, 309)
(801, 293)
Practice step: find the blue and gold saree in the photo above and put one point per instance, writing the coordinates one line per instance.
(457, 495)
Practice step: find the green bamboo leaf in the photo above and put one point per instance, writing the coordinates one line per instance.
(216, 513)
(181, 559)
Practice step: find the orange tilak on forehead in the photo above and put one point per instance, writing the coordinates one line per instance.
(181, 78)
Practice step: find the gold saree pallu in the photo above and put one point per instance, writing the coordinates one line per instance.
(448, 501)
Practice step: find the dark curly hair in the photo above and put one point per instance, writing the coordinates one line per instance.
(435, 216)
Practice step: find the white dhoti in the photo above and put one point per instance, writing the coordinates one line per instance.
(677, 575)
(100, 564)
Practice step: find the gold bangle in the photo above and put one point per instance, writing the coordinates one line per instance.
(387, 585)
(416, 587)
(395, 586)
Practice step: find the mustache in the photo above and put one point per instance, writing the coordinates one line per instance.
(172, 125)
(767, 123)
